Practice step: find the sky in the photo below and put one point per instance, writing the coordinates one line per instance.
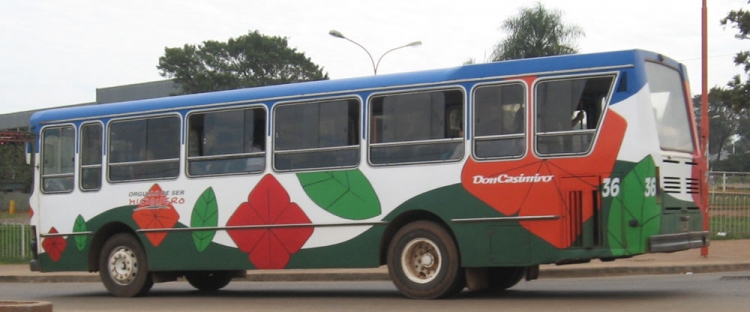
(57, 53)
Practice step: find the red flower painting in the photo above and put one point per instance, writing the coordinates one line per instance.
(155, 212)
(269, 204)
(54, 245)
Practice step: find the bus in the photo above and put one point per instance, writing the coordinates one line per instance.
(466, 177)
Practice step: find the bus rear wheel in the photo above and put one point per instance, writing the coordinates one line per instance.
(209, 281)
(504, 278)
(123, 267)
(423, 261)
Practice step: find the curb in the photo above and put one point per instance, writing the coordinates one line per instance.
(26, 306)
(383, 276)
(50, 279)
(625, 271)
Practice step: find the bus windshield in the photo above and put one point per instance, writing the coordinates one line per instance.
(670, 108)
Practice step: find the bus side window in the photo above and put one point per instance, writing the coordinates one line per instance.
(226, 142)
(91, 157)
(416, 127)
(314, 135)
(500, 121)
(142, 149)
(569, 113)
(58, 159)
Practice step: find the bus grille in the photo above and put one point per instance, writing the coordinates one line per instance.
(575, 204)
(693, 185)
(677, 185)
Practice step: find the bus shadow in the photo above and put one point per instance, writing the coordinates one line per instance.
(366, 290)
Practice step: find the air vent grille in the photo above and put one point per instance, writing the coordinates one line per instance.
(677, 185)
(672, 185)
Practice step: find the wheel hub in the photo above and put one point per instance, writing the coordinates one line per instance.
(427, 260)
(123, 265)
(421, 260)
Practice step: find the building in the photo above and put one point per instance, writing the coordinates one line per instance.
(19, 121)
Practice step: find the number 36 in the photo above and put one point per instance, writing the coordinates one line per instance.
(611, 187)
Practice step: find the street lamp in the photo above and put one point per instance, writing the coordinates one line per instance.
(338, 34)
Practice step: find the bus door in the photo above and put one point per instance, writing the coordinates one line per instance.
(583, 226)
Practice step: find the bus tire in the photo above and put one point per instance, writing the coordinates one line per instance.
(208, 281)
(423, 262)
(504, 278)
(123, 267)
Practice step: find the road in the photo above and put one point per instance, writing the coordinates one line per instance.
(714, 292)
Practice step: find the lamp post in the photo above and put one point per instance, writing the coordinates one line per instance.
(704, 119)
(338, 34)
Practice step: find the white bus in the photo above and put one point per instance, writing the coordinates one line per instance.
(462, 177)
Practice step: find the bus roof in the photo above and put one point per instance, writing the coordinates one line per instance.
(467, 72)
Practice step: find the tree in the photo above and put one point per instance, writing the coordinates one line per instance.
(250, 60)
(735, 100)
(724, 121)
(535, 32)
(740, 90)
(14, 171)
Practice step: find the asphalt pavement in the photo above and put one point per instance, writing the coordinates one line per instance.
(723, 256)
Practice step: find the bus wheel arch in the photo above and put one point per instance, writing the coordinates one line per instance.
(424, 262)
(101, 236)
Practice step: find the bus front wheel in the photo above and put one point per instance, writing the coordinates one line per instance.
(423, 261)
(123, 267)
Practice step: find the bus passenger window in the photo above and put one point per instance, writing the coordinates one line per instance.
(417, 127)
(227, 142)
(569, 112)
(141, 149)
(316, 135)
(58, 155)
(91, 156)
(500, 121)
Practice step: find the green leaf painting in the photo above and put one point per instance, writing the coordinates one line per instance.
(347, 194)
(205, 214)
(634, 214)
(80, 226)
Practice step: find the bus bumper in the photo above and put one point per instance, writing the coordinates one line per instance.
(678, 241)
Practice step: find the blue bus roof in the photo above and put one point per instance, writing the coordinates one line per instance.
(476, 71)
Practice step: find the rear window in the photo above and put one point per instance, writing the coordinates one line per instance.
(670, 108)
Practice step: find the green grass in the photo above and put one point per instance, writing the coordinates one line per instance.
(734, 227)
(23, 216)
(24, 260)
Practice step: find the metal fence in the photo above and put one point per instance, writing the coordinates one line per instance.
(14, 242)
(729, 204)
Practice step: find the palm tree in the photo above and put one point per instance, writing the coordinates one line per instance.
(536, 32)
